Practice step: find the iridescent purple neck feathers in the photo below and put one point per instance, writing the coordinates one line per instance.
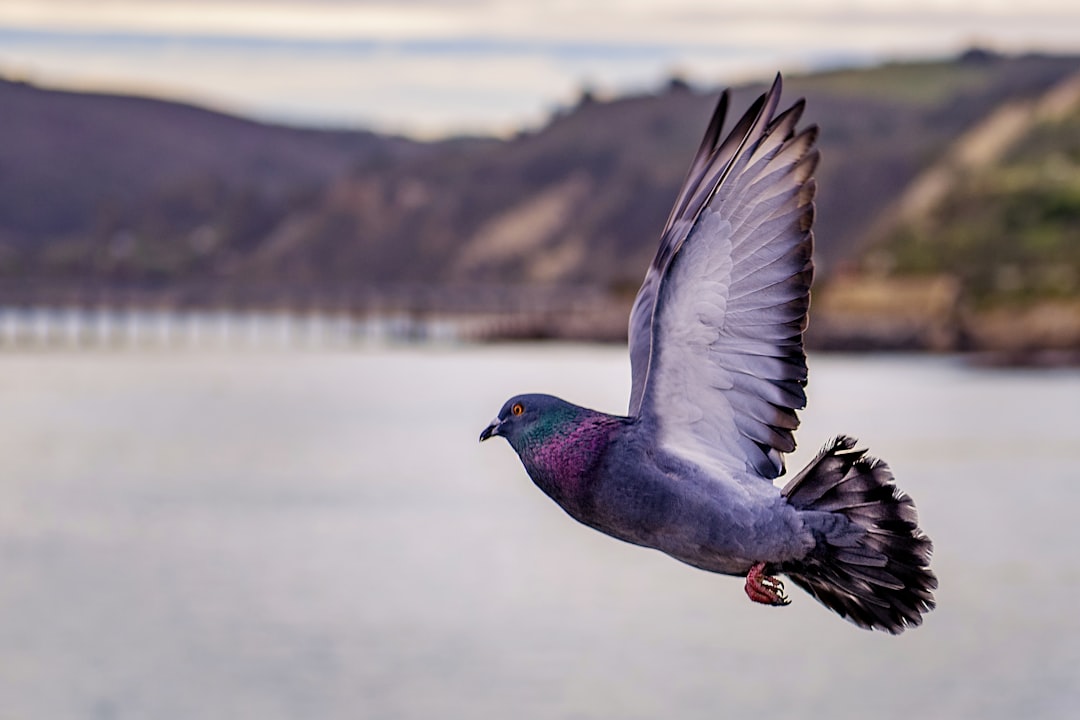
(561, 453)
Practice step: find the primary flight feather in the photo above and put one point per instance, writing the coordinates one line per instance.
(718, 373)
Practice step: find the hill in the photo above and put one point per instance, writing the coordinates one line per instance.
(582, 201)
(102, 193)
(114, 199)
(997, 222)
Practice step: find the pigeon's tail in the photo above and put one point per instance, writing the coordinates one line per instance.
(871, 563)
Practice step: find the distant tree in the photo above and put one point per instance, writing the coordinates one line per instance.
(677, 83)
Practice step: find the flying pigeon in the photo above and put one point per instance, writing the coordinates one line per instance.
(718, 373)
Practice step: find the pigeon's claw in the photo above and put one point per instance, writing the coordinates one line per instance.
(764, 589)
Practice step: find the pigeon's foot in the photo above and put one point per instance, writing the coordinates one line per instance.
(764, 589)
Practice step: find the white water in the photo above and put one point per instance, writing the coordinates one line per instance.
(319, 535)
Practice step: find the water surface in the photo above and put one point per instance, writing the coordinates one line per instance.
(318, 534)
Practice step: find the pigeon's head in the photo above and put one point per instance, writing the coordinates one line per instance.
(525, 416)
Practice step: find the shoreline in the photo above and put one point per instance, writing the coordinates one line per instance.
(1011, 340)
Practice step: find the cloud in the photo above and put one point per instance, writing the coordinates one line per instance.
(318, 19)
(622, 21)
(430, 66)
(423, 89)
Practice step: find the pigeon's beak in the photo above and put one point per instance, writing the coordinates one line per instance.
(491, 430)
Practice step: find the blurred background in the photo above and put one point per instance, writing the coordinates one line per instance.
(268, 268)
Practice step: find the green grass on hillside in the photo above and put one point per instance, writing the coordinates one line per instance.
(1010, 233)
(917, 83)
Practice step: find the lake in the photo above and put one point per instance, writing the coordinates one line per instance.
(318, 534)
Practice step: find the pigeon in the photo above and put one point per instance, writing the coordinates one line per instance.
(718, 374)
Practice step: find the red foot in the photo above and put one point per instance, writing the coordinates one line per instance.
(764, 589)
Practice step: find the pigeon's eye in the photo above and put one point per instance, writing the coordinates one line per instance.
(517, 409)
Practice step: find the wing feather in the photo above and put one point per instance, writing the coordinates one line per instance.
(705, 173)
(716, 330)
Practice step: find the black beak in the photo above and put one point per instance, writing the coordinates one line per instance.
(491, 430)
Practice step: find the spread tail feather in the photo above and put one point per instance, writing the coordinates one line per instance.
(872, 562)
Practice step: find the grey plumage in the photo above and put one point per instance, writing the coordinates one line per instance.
(718, 375)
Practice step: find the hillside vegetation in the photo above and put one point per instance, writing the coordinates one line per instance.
(1005, 235)
(1010, 233)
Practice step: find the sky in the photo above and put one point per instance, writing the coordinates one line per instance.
(437, 67)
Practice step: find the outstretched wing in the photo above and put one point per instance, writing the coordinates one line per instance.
(716, 331)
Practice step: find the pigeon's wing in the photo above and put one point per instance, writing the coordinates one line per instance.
(641, 316)
(716, 330)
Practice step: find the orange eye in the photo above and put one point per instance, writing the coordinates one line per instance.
(517, 409)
